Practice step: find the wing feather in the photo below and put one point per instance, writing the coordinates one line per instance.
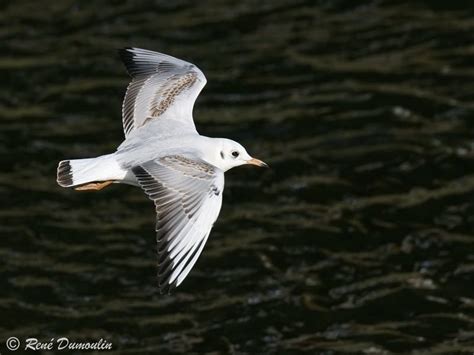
(162, 87)
(187, 205)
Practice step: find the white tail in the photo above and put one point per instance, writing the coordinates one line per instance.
(82, 171)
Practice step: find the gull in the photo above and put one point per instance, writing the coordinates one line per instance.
(181, 171)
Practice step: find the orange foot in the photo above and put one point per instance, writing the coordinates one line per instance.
(93, 186)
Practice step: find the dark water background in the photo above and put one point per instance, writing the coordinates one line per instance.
(358, 240)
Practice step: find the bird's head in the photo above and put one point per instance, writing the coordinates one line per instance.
(231, 154)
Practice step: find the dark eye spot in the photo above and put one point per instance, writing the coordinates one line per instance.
(222, 154)
(235, 154)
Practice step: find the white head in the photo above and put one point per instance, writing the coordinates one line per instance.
(228, 154)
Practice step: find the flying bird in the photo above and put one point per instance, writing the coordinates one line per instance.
(181, 171)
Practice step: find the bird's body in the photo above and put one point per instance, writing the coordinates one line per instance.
(180, 170)
(144, 146)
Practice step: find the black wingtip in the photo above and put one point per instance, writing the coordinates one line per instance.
(167, 288)
(126, 54)
(165, 270)
(125, 51)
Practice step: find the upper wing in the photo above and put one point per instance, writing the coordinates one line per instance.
(188, 197)
(162, 87)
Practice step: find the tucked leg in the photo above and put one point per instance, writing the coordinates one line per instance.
(95, 186)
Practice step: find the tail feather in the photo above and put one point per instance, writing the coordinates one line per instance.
(82, 171)
(64, 174)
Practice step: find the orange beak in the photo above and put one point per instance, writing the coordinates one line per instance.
(257, 162)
